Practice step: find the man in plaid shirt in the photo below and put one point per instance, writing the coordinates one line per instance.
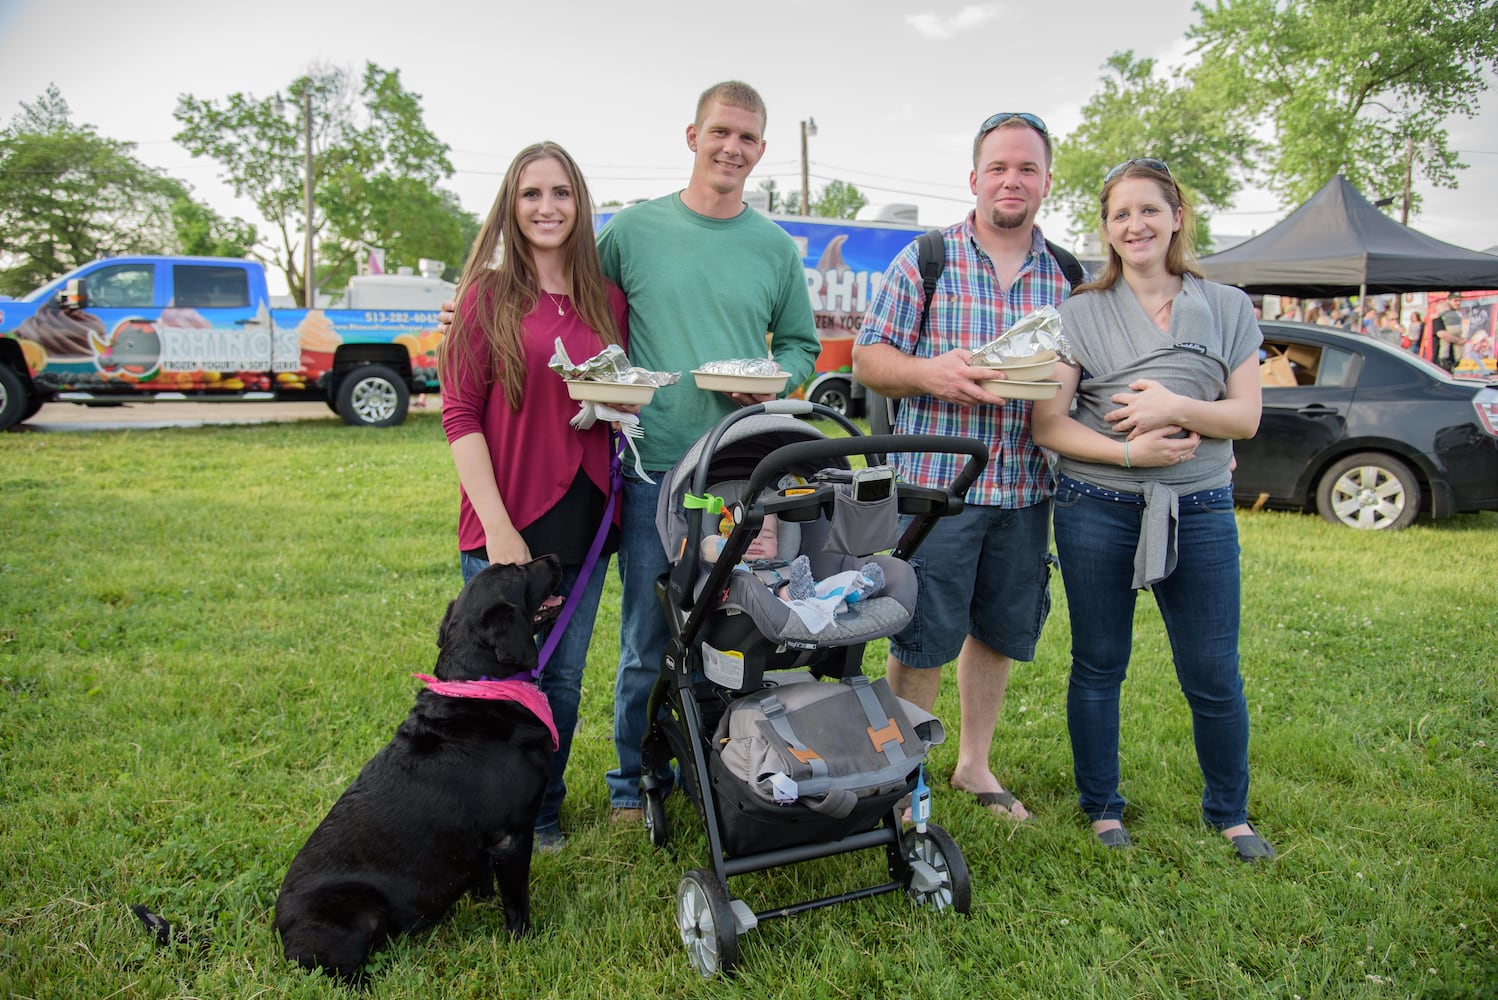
(984, 575)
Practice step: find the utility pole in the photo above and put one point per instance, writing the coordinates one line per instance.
(309, 269)
(311, 289)
(808, 127)
(1409, 166)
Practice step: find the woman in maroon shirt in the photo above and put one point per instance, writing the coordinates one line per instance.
(531, 484)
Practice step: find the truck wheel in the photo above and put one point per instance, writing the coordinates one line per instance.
(835, 394)
(373, 396)
(16, 403)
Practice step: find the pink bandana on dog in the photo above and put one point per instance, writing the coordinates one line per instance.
(523, 692)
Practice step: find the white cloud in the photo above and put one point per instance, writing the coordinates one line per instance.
(938, 27)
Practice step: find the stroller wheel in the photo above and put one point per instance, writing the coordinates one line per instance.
(937, 874)
(656, 826)
(705, 919)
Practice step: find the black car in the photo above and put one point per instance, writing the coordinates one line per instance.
(1366, 434)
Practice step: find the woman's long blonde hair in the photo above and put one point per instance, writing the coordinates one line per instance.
(1179, 258)
(502, 269)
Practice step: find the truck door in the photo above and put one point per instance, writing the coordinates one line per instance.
(125, 305)
(215, 337)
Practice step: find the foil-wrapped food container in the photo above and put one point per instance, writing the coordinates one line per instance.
(608, 377)
(753, 376)
(1035, 334)
(753, 367)
(609, 365)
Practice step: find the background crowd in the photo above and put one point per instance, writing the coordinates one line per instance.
(1417, 330)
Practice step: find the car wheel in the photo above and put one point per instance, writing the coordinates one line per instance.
(704, 917)
(1371, 491)
(373, 396)
(15, 400)
(835, 394)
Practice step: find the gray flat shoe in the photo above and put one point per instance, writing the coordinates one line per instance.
(1251, 847)
(1117, 839)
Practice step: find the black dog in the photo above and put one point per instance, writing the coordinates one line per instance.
(449, 804)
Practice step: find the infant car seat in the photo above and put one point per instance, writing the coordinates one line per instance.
(748, 624)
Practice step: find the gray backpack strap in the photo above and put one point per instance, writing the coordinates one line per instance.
(776, 716)
(931, 258)
(884, 731)
(931, 261)
(1070, 266)
(837, 803)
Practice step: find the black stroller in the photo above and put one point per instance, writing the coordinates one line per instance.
(815, 760)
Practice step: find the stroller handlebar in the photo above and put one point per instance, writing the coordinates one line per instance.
(873, 445)
(794, 407)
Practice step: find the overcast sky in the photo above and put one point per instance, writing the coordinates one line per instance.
(896, 87)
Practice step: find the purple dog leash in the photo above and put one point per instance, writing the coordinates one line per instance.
(616, 483)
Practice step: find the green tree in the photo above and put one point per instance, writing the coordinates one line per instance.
(203, 232)
(69, 195)
(1347, 86)
(838, 200)
(1141, 112)
(375, 171)
(407, 218)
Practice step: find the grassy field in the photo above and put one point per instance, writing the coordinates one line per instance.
(204, 633)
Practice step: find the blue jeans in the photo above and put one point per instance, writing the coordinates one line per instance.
(1199, 603)
(643, 633)
(562, 680)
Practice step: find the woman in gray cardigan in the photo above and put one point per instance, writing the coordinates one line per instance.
(1167, 376)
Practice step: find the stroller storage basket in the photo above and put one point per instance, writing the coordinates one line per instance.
(806, 761)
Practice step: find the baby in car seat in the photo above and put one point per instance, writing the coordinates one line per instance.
(815, 602)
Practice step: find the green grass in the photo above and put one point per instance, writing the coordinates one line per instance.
(204, 633)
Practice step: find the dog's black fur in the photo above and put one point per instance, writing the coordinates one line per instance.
(443, 809)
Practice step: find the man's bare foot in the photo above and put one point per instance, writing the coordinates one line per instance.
(996, 800)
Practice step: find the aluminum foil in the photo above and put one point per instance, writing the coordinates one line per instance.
(609, 365)
(1038, 331)
(742, 366)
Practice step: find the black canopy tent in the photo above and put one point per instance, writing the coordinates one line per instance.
(1339, 244)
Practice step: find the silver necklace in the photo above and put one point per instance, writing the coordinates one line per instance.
(558, 303)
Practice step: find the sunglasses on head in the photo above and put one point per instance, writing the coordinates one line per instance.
(994, 121)
(1143, 161)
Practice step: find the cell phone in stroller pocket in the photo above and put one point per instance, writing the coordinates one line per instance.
(873, 484)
